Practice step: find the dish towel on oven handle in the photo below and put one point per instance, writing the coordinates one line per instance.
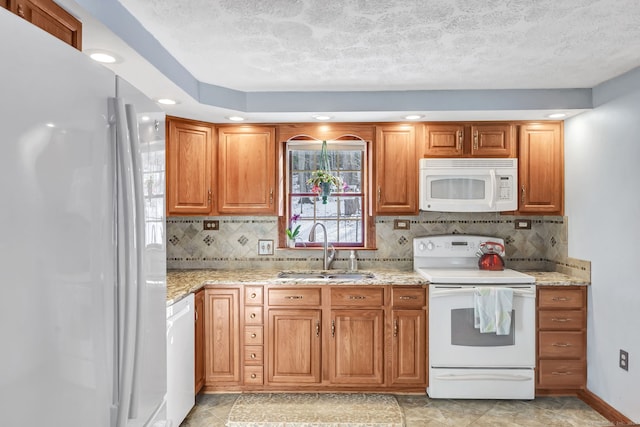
(492, 309)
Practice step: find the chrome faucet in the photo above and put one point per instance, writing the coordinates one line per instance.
(326, 257)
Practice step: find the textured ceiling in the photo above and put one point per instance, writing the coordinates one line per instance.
(318, 45)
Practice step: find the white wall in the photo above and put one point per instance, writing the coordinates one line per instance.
(602, 182)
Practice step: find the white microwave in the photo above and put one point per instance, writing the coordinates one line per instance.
(468, 185)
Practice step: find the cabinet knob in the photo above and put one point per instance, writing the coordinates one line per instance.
(395, 327)
(253, 295)
(253, 355)
(254, 376)
(253, 335)
(252, 315)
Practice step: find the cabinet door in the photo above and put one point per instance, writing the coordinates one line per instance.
(396, 170)
(199, 340)
(541, 168)
(409, 347)
(50, 17)
(222, 330)
(356, 347)
(444, 140)
(294, 346)
(189, 164)
(246, 170)
(493, 140)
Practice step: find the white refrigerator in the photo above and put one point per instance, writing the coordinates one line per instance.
(82, 245)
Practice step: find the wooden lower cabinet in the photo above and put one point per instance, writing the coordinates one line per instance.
(562, 339)
(294, 346)
(222, 336)
(199, 340)
(315, 338)
(356, 348)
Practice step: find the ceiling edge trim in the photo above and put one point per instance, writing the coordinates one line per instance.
(119, 20)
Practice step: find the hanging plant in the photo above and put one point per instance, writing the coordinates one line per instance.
(322, 181)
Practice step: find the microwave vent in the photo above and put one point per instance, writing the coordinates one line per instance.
(466, 163)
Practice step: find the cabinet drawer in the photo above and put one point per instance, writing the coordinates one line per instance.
(357, 296)
(253, 375)
(561, 298)
(562, 374)
(253, 315)
(294, 297)
(253, 354)
(253, 335)
(561, 319)
(408, 297)
(253, 295)
(562, 345)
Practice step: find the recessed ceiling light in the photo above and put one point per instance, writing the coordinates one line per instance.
(103, 56)
(145, 118)
(51, 125)
(322, 117)
(236, 118)
(167, 101)
(413, 117)
(556, 115)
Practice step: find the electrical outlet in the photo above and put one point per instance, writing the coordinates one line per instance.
(624, 360)
(210, 225)
(523, 224)
(401, 224)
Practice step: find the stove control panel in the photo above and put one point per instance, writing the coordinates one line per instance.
(450, 245)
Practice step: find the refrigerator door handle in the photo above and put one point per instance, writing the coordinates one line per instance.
(139, 247)
(128, 279)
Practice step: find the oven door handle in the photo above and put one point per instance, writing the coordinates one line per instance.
(447, 292)
(483, 377)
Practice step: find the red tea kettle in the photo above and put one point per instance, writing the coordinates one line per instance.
(490, 256)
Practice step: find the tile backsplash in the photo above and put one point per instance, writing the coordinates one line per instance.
(235, 244)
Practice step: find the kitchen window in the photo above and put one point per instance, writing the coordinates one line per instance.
(345, 212)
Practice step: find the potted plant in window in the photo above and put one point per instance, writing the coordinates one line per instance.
(322, 180)
(292, 232)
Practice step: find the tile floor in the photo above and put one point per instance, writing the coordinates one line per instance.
(211, 410)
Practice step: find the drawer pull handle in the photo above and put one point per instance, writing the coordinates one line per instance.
(254, 335)
(253, 295)
(562, 373)
(561, 344)
(252, 315)
(395, 327)
(561, 299)
(333, 328)
(254, 376)
(293, 297)
(408, 297)
(317, 329)
(560, 319)
(253, 355)
(357, 297)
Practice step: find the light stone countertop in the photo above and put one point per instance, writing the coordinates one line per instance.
(182, 282)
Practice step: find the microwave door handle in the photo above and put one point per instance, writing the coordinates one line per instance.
(492, 196)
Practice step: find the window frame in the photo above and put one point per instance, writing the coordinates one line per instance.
(368, 219)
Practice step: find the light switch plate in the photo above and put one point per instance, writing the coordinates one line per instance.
(265, 247)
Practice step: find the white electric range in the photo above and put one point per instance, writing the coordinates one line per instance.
(464, 362)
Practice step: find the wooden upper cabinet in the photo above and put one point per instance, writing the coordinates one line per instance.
(470, 140)
(493, 140)
(443, 140)
(246, 170)
(396, 170)
(541, 169)
(190, 158)
(50, 17)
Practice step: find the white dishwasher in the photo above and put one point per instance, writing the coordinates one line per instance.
(180, 360)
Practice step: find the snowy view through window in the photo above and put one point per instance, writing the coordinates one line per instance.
(342, 215)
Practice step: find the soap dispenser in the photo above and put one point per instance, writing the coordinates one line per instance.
(353, 261)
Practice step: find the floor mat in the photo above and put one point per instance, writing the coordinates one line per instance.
(315, 410)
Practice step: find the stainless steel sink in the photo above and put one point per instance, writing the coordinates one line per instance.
(325, 275)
